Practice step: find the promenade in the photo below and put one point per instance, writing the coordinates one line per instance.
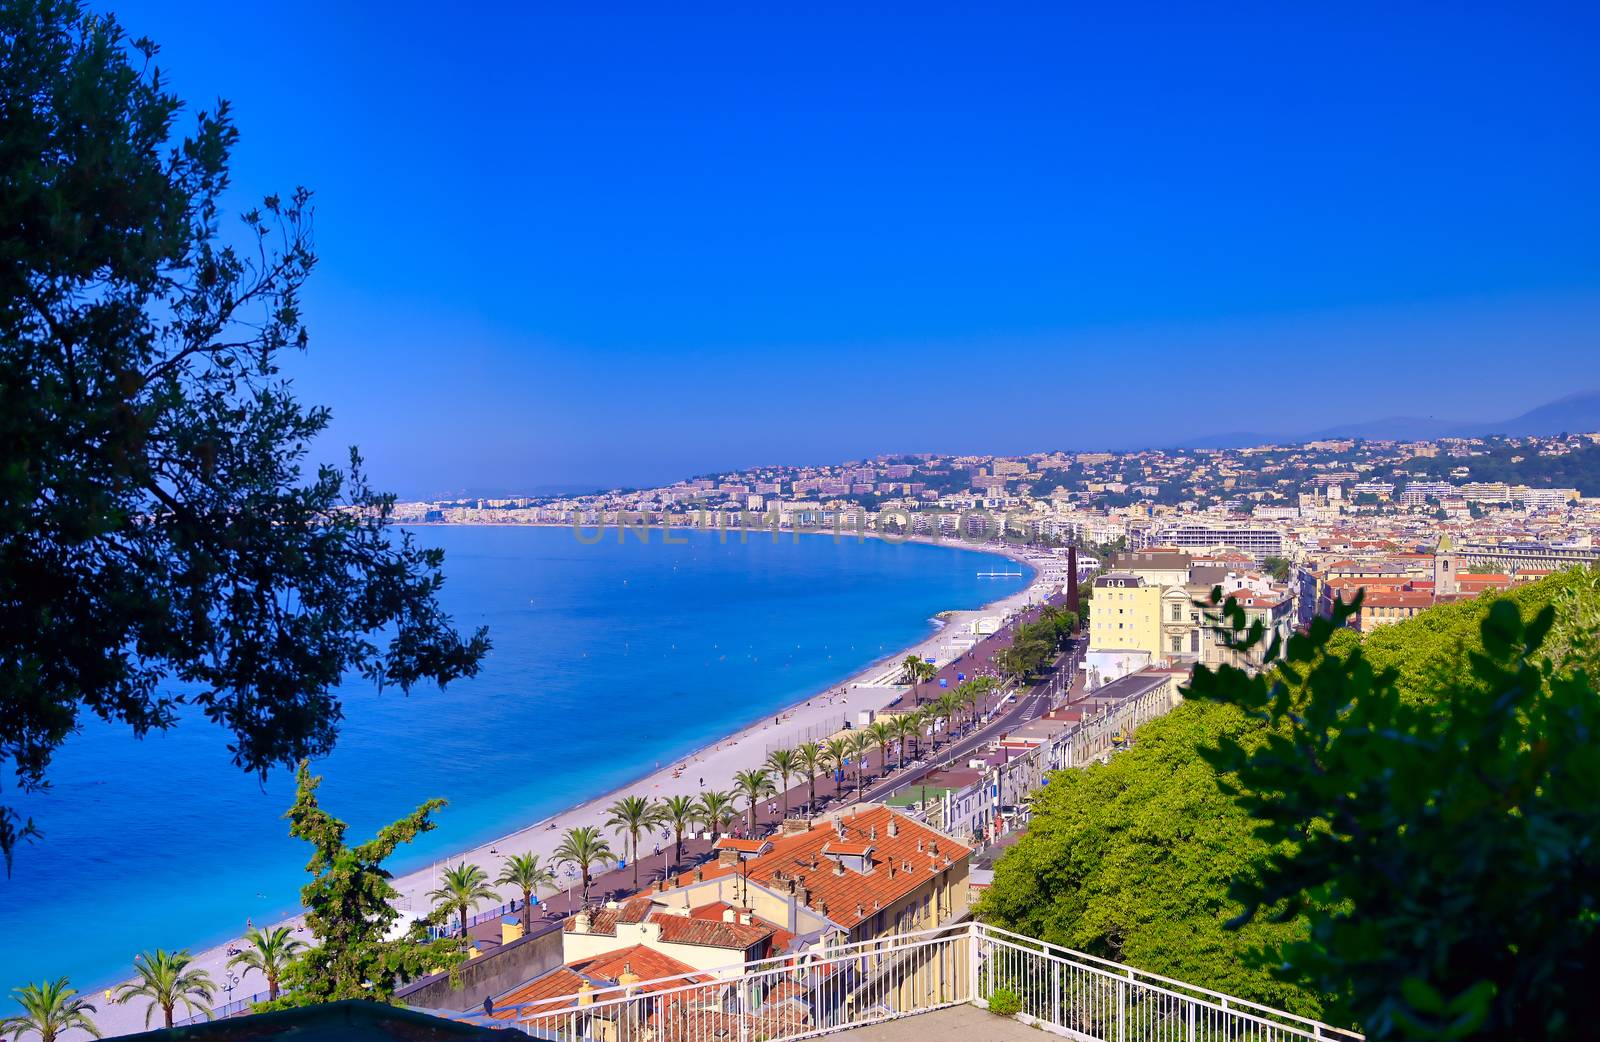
(712, 767)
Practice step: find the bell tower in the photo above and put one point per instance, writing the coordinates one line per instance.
(1444, 568)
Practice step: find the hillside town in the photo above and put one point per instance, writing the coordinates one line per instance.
(1283, 529)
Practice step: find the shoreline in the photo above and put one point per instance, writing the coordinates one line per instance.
(940, 626)
(710, 765)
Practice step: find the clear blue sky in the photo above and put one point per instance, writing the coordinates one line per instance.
(621, 249)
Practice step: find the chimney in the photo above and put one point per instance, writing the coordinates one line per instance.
(583, 922)
(919, 846)
(795, 826)
(861, 910)
(627, 978)
(586, 994)
(872, 833)
(699, 873)
(933, 847)
(727, 856)
(894, 826)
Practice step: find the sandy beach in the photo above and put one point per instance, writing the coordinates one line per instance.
(711, 767)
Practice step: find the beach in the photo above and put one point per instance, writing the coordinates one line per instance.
(710, 767)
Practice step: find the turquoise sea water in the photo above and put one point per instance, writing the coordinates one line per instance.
(607, 660)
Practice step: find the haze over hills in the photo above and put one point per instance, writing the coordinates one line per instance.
(1579, 411)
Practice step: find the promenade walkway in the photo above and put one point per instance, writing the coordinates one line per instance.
(956, 1024)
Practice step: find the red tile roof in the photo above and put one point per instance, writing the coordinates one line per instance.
(898, 866)
(558, 989)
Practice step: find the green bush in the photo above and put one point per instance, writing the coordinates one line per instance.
(1004, 1003)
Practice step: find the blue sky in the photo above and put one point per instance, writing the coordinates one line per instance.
(624, 248)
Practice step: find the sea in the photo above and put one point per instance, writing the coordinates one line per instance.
(608, 660)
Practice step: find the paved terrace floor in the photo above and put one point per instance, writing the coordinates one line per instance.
(956, 1024)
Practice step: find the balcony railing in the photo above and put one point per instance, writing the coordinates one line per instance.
(1059, 990)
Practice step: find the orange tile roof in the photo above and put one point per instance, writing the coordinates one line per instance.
(677, 929)
(898, 865)
(646, 962)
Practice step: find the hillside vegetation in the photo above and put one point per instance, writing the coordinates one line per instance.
(1134, 860)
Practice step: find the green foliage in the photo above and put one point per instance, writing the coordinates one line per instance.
(1516, 464)
(462, 888)
(583, 847)
(1132, 860)
(680, 812)
(48, 1010)
(784, 764)
(630, 816)
(166, 980)
(1442, 842)
(1278, 567)
(155, 519)
(756, 784)
(350, 908)
(526, 873)
(1003, 1002)
(268, 950)
(718, 809)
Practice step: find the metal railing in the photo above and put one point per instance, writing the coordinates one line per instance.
(853, 985)
(1087, 997)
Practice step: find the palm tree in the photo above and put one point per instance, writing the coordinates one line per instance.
(717, 810)
(858, 743)
(49, 1010)
(981, 687)
(680, 813)
(753, 785)
(270, 950)
(524, 872)
(905, 726)
(166, 980)
(812, 759)
(913, 666)
(785, 765)
(584, 847)
(630, 816)
(837, 751)
(970, 692)
(882, 733)
(946, 708)
(463, 888)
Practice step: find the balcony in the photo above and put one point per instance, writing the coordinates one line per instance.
(927, 986)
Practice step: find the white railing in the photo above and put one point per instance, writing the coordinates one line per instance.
(797, 997)
(1086, 997)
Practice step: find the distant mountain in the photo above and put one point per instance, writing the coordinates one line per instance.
(1573, 413)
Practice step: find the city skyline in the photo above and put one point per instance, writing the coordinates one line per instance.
(564, 251)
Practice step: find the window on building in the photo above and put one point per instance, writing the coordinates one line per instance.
(1177, 642)
(1177, 613)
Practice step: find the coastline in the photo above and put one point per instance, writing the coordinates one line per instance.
(711, 766)
(941, 627)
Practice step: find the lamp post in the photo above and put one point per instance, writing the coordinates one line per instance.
(230, 981)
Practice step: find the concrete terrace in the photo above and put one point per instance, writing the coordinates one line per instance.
(956, 1024)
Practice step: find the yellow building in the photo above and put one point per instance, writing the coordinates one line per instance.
(1125, 615)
